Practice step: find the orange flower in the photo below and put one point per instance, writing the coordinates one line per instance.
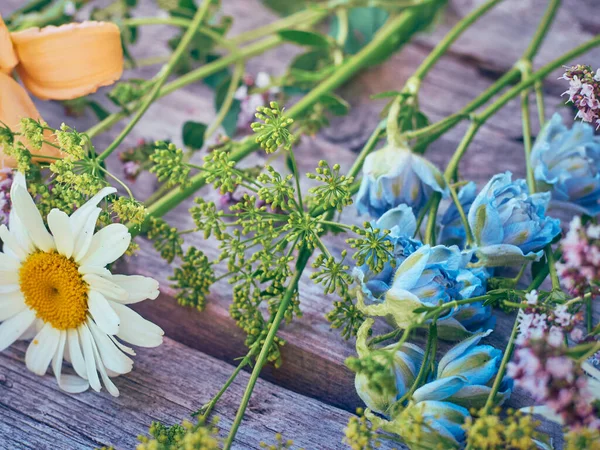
(55, 63)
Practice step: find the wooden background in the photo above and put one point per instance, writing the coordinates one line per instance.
(311, 397)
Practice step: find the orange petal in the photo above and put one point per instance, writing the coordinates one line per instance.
(15, 104)
(70, 61)
(8, 57)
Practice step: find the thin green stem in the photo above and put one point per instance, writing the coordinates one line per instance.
(541, 107)
(207, 408)
(164, 74)
(238, 73)
(442, 47)
(297, 179)
(542, 30)
(526, 121)
(461, 213)
(424, 369)
(537, 281)
(407, 22)
(430, 237)
(589, 315)
(452, 169)
(262, 357)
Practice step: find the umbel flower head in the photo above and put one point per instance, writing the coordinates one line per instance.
(566, 162)
(56, 289)
(55, 63)
(422, 276)
(393, 176)
(510, 225)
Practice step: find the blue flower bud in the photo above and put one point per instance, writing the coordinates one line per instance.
(407, 362)
(566, 162)
(393, 176)
(509, 224)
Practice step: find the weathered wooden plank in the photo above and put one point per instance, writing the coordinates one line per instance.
(313, 359)
(167, 384)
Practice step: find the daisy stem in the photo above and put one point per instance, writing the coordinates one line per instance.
(162, 78)
(461, 212)
(266, 347)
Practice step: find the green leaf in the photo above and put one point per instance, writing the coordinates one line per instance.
(301, 37)
(335, 104)
(363, 23)
(193, 134)
(285, 7)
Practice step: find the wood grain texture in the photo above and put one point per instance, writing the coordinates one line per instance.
(167, 384)
(314, 355)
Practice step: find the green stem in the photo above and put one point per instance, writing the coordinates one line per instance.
(526, 121)
(442, 47)
(589, 314)
(237, 75)
(461, 213)
(424, 369)
(509, 348)
(407, 22)
(542, 30)
(207, 409)
(262, 357)
(429, 237)
(164, 74)
(452, 169)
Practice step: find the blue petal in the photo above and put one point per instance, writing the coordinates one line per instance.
(439, 389)
(400, 220)
(459, 349)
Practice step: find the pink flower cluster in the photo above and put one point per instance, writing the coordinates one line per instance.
(584, 92)
(538, 322)
(556, 381)
(6, 179)
(580, 270)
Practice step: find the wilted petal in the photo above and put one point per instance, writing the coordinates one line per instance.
(69, 61)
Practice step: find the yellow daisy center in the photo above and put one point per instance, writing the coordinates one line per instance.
(54, 289)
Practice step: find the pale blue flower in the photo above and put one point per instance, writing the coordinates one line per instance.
(463, 380)
(393, 176)
(453, 231)
(407, 362)
(566, 162)
(510, 225)
(423, 276)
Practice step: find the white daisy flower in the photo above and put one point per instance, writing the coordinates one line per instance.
(55, 288)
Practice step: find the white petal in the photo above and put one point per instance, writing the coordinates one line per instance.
(68, 383)
(83, 236)
(138, 287)
(123, 348)
(11, 304)
(60, 226)
(112, 358)
(106, 287)
(107, 245)
(110, 386)
(102, 313)
(102, 271)
(9, 277)
(75, 355)
(19, 230)
(8, 288)
(88, 354)
(80, 217)
(25, 208)
(8, 262)
(11, 245)
(32, 330)
(42, 349)
(135, 329)
(13, 328)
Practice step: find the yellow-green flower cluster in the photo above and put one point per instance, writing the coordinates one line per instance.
(361, 434)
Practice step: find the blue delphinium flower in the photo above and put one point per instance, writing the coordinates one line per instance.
(394, 176)
(462, 382)
(428, 276)
(453, 230)
(566, 162)
(407, 362)
(510, 225)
